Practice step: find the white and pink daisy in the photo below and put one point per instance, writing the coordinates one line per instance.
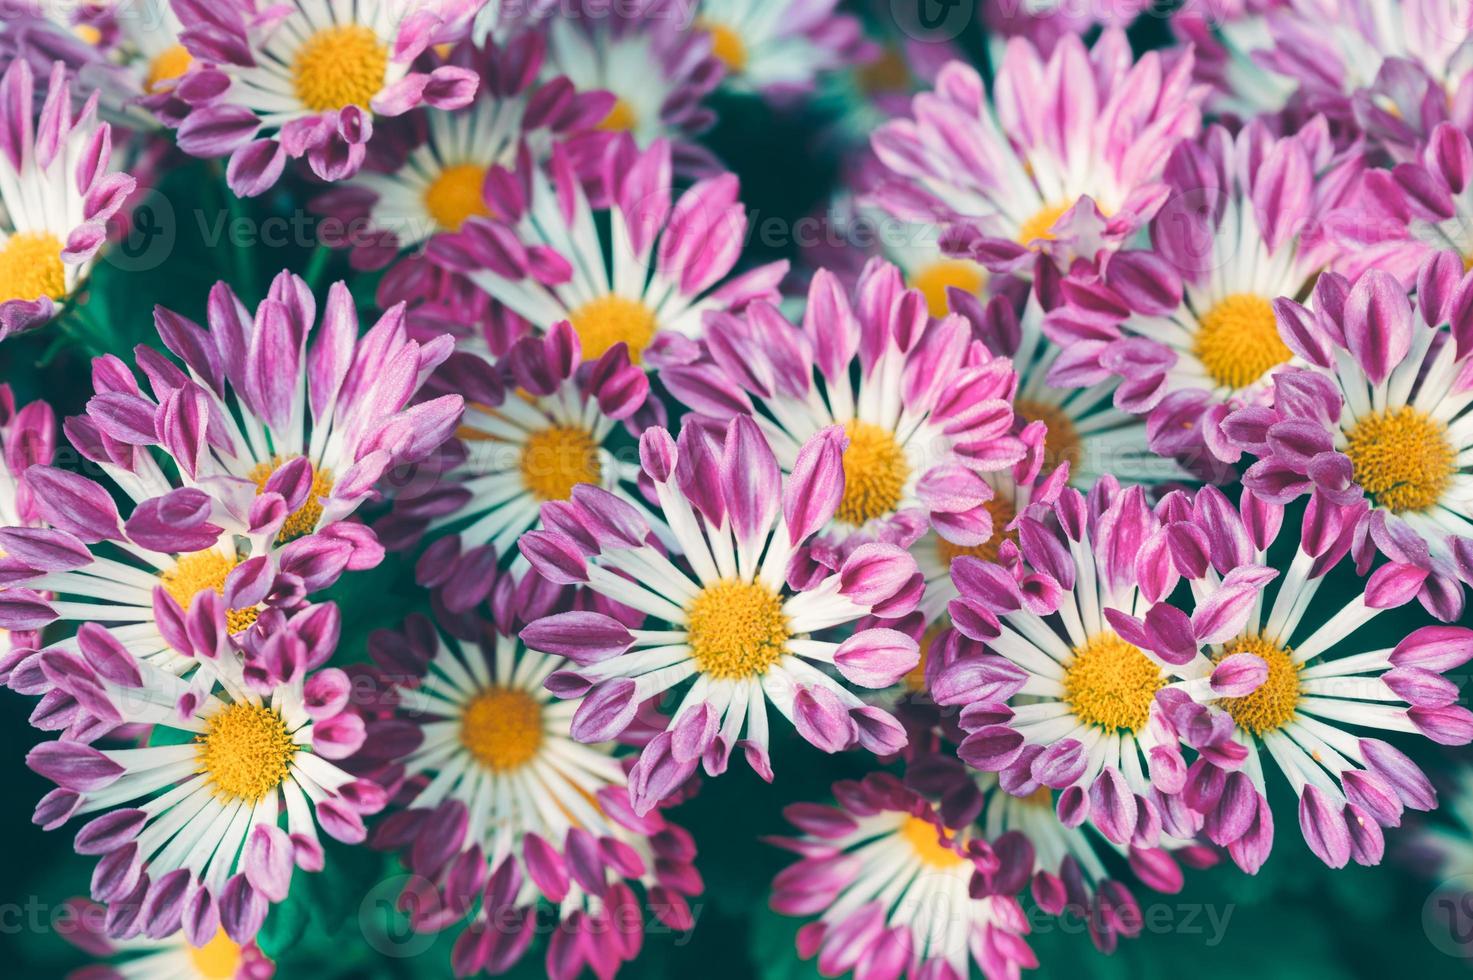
(1008, 180)
(190, 836)
(1189, 326)
(307, 78)
(432, 180)
(57, 192)
(892, 889)
(740, 617)
(649, 279)
(1380, 412)
(504, 812)
(170, 958)
(926, 410)
(779, 48)
(1270, 682)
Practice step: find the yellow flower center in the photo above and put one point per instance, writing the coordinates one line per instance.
(728, 47)
(455, 195)
(924, 839)
(621, 118)
(1040, 226)
(340, 66)
(303, 520)
(194, 573)
(1043, 798)
(736, 629)
(88, 34)
(557, 459)
(245, 751)
(30, 267)
(1271, 706)
(1110, 684)
(1402, 459)
(502, 728)
(218, 959)
(875, 471)
(887, 73)
(167, 65)
(603, 322)
(1238, 340)
(1001, 509)
(1061, 443)
(933, 279)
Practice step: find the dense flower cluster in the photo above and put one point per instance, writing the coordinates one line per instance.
(1109, 506)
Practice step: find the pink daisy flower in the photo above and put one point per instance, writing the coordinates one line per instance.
(141, 958)
(504, 813)
(541, 421)
(27, 438)
(740, 617)
(779, 48)
(1379, 413)
(893, 889)
(1010, 181)
(926, 415)
(544, 254)
(1269, 681)
(189, 835)
(307, 78)
(1189, 327)
(57, 192)
(431, 179)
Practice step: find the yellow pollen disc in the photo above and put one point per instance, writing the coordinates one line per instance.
(1040, 226)
(245, 751)
(1238, 340)
(1002, 513)
(303, 520)
(1271, 706)
(621, 118)
(194, 573)
(1402, 459)
(502, 728)
(915, 678)
(556, 460)
(736, 629)
(603, 322)
(875, 472)
(455, 195)
(169, 64)
(1468, 262)
(88, 34)
(728, 47)
(1043, 797)
(218, 959)
(340, 66)
(30, 267)
(1110, 684)
(1061, 443)
(924, 838)
(933, 279)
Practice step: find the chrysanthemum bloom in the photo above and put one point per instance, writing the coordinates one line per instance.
(930, 414)
(172, 957)
(891, 887)
(1067, 416)
(543, 425)
(544, 256)
(431, 180)
(1379, 413)
(57, 192)
(1063, 867)
(780, 47)
(306, 79)
(1084, 724)
(1008, 178)
(27, 438)
(658, 71)
(740, 621)
(504, 812)
(1268, 684)
(189, 835)
(1224, 34)
(1406, 214)
(1189, 327)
